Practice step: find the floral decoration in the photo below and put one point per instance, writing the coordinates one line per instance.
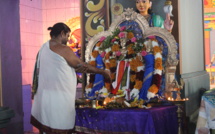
(110, 50)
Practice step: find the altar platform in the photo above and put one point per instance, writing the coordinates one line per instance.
(156, 120)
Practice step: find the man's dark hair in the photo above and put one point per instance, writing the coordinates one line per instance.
(58, 28)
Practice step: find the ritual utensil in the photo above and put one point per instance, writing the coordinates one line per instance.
(94, 103)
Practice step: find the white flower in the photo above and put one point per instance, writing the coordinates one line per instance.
(154, 43)
(158, 71)
(96, 48)
(88, 90)
(107, 50)
(158, 55)
(139, 68)
(104, 92)
(92, 58)
(107, 61)
(150, 95)
(134, 93)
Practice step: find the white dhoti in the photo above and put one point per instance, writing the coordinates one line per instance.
(53, 109)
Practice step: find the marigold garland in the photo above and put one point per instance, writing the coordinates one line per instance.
(99, 44)
(130, 35)
(132, 78)
(133, 64)
(110, 46)
(113, 63)
(154, 89)
(130, 50)
(157, 49)
(138, 84)
(158, 64)
(95, 54)
(115, 48)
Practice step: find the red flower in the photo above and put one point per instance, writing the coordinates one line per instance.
(157, 80)
(103, 54)
(102, 38)
(122, 28)
(143, 53)
(133, 39)
(122, 35)
(118, 53)
(114, 39)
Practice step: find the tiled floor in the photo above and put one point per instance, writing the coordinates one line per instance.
(29, 132)
(34, 131)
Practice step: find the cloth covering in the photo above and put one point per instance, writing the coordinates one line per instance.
(156, 120)
(54, 101)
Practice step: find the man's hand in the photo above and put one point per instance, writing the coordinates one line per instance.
(168, 23)
(81, 68)
(106, 74)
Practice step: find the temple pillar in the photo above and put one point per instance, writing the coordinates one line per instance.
(11, 77)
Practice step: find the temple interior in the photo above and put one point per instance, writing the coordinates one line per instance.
(112, 33)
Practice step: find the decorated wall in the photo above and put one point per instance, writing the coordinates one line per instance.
(209, 31)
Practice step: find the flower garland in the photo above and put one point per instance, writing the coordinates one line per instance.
(110, 51)
(157, 70)
(112, 54)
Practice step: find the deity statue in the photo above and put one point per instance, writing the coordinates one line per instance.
(137, 63)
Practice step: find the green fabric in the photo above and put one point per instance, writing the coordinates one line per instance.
(157, 21)
(124, 78)
(35, 78)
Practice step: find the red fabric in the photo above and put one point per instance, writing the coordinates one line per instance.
(120, 75)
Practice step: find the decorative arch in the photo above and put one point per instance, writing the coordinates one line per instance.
(147, 31)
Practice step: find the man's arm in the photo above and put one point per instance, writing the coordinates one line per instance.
(80, 66)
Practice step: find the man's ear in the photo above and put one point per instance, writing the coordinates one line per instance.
(62, 33)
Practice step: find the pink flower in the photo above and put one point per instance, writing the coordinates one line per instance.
(133, 39)
(102, 38)
(121, 35)
(122, 28)
(114, 39)
(143, 53)
(103, 54)
(151, 37)
(127, 64)
(118, 53)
